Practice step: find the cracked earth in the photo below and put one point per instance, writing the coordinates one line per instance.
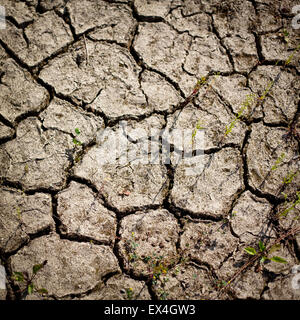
(147, 231)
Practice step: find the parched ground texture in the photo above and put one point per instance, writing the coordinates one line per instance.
(72, 70)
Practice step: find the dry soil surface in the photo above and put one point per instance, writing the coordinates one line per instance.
(72, 71)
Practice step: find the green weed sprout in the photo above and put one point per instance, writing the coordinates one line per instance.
(198, 127)
(129, 293)
(278, 161)
(291, 207)
(246, 103)
(75, 140)
(264, 254)
(24, 277)
(290, 177)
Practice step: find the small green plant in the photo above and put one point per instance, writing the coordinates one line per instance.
(156, 267)
(202, 81)
(18, 210)
(177, 270)
(29, 285)
(219, 283)
(157, 271)
(267, 90)
(75, 140)
(250, 98)
(285, 35)
(278, 161)
(263, 253)
(129, 293)
(233, 214)
(146, 259)
(131, 246)
(246, 104)
(198, 127)
(77, 158)
(291, 205)
(162, 294)
(289, 59)
(290, 177)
